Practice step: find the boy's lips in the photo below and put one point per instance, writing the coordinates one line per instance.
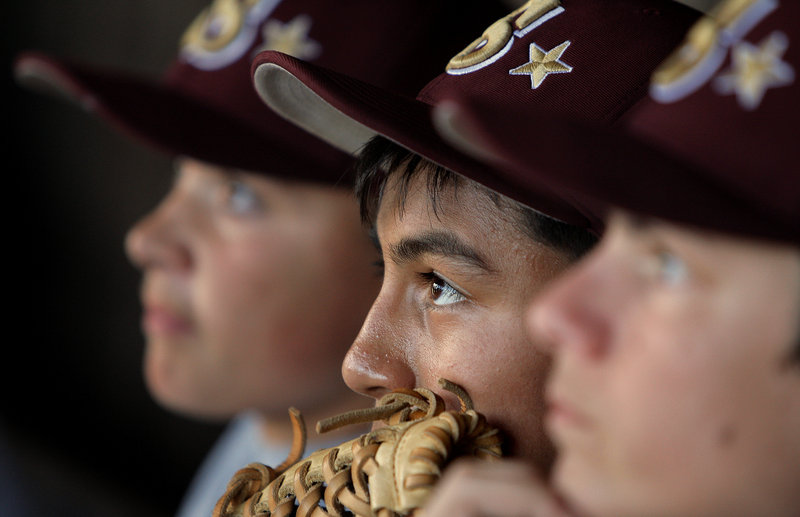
(160, 321)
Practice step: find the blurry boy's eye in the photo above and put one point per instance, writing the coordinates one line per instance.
(243, 199)
(672, 270)
(442, 292)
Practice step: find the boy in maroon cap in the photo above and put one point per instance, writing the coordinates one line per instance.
(464, 249)
(675, 387)
(257, 272)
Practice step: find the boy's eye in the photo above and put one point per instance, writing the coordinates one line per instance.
(672, 270)
(243, 199)
(442, 292)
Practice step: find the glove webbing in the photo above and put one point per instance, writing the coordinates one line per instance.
(337, 481)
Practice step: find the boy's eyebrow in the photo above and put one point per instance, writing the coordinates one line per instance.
(441, 243)
(633, 221)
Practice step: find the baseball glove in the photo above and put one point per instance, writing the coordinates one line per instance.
(387, 472)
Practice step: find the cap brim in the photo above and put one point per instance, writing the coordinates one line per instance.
(603, 168)
(162, 118)
(347, 112)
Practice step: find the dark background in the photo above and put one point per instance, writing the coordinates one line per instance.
(79, 435)
(76, 417)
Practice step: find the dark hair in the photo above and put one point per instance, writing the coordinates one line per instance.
(380, 158)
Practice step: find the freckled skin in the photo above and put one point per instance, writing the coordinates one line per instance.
(479, 342)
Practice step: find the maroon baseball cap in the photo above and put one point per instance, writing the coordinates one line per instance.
(570, 58)
(714, 146)
(205, 106)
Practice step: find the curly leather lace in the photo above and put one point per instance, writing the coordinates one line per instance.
(336, 481)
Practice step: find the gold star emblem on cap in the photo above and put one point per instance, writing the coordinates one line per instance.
(543, 63)
(755, 69)
(290, 38)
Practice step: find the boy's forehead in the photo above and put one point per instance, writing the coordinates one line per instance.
(442, 191)
(456, 203)
(641, 231)
(462, 224)
(724, 251)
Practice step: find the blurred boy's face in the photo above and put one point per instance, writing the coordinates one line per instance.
(455, 287)
(672, 392)
(253, 289)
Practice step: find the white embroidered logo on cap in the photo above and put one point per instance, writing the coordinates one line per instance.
(222, 33)
(498, 39)
(755, 69)
(290, 38)
(543, 63)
